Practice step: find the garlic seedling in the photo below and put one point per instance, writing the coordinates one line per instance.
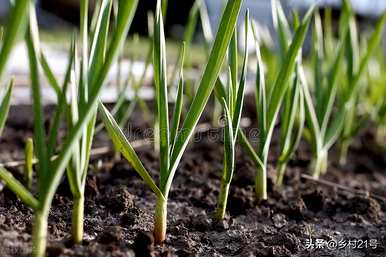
(174, 139)
(232, 99)
(268, 103)
(50, 170)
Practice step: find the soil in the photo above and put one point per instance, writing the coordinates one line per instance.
(119, 207)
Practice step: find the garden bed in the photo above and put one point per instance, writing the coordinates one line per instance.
(119, 207)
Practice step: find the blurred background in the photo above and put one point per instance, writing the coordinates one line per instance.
(58, 18)
(65, 13)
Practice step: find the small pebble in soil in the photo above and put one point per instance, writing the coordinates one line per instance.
(296, 209)
(279, 220)
(2, 219)
(144, 244)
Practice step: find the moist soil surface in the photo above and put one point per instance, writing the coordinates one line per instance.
(297, 220)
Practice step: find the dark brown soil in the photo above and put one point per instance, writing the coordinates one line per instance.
(119, 207)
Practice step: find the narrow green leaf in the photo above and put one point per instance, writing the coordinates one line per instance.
(4, 105)
(73, 182)
(295, 19)
(123, 146)
(28, 166)
(352, 50)
(297, 135)
(16, 25)
(95, 17)
(290, 109)
(352, 59)
(164, 7)
(74, 165)
(346, 14)
(282, 27)
(328, 33)
(239, 94)
(99, 41)
(229, 147)
(244, 142)
(160, 77)
(285, 117)
(87, 145)
(317, 60)
(234, 67)
(229, 97)
(62, 103)
(372, 44)
(33, 47)
(178, 105)
(260, 92)
(15, 186)
(84, 85)
(294, 129)
(219, 90)
(311, 117)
